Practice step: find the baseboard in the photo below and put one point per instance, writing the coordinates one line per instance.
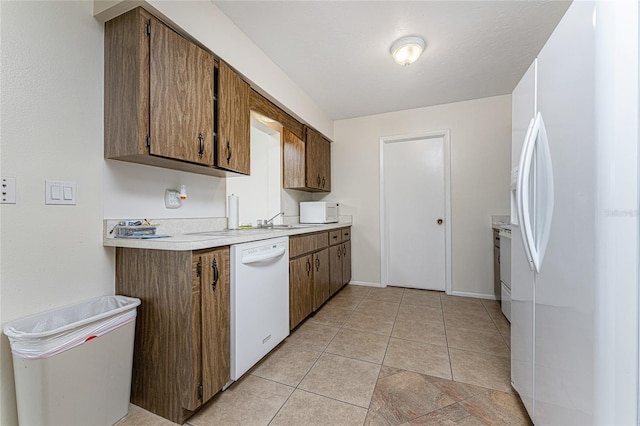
(474, 295)
(453, 293)
(364, 283)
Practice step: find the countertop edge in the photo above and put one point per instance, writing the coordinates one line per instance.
(182, 242)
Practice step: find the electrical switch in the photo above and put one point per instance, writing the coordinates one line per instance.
(58, 192)
(67, 192)
(55, 192)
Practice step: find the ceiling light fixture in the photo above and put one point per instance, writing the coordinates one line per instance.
(406, 50)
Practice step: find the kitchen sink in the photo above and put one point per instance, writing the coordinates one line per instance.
(221, 233)
(241, 231)
(296, 226)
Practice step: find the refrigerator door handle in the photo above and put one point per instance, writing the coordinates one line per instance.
(535, 240)
(544, 205)
(522, 193)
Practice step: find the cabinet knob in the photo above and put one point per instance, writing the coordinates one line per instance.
(440, 221)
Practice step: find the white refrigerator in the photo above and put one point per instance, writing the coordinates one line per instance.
(574, 282)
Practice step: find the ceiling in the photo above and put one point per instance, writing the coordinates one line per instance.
(338, 51)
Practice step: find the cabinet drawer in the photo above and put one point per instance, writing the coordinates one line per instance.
(335, 237)
(307, 243)
(346, 234)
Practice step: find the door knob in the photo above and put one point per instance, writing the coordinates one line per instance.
(440, 221)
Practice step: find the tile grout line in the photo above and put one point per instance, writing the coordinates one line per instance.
(496, 326)
(446, 338)
(310, 368)
(383, 358)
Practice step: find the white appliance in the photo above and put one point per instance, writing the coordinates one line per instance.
(259, 301)
(505, 271)
(318, 212)
(574, 261)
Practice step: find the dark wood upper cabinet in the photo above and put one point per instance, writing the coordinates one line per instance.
(159, 96)
(181, 97)
(233, 141)
(318, 161)
(294, 160)
(307, 164)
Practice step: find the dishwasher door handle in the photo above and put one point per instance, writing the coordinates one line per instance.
(263, 257)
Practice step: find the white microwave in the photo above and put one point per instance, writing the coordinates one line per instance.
(318, 212)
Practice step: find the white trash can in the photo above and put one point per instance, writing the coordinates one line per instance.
(72, 366)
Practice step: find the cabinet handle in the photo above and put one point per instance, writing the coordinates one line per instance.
(228, 152)
(308, 267)
(344, 250)
(335, 237)
(339, 252)
(318, 180)
(216, 274)
(317, 264)
(323, 181)
(201, 151)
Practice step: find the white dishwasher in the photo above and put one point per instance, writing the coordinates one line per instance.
(259, 301)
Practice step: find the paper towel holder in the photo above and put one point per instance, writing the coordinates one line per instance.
(233, 212)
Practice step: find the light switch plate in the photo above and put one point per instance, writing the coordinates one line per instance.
(7, 190)
(59, 192)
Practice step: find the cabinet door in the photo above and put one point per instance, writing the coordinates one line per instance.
(314, 159)
(321, 280)
(181, 97)
(293, 167)
(300, 289)
(214, 292)
(335, 266)
(346, 262)
(194, 398)
(326, 174)
(233, 142)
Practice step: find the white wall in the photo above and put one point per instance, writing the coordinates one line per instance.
(259, 193)
(480, 169)
(135, 191)
(52, 128)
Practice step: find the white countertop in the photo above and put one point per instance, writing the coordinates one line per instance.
(181, 242)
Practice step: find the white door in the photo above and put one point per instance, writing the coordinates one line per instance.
(413, 210)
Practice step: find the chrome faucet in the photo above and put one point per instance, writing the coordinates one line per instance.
(269, 222)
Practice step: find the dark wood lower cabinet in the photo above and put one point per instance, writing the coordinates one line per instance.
(321, 279)
(335, 255)
(300, 289)
(181, 353)
(316, 270)
(340, 259)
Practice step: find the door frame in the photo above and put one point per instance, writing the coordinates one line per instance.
(384, 237)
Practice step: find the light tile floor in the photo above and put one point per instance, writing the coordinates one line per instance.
(378, 356)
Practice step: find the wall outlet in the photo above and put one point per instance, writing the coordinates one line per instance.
(172, 199)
